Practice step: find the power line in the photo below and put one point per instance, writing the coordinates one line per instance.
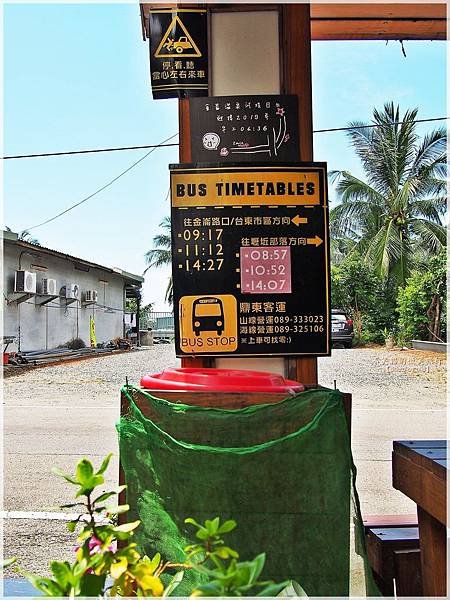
(88, 151)
(379, 125)
(163, 143)
(119, 149)
(100, 189)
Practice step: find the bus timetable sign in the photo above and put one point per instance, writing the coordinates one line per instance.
(250, 251)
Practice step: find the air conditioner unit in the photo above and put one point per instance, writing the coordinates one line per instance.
(70, 292)
(25, 282)
(91, 296)
(73, 291)
(49, 287)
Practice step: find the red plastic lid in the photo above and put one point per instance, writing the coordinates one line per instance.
(220, 380)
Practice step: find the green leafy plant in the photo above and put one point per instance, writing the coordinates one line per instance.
(421, 304)
(227, 576)
(108, 563)
(98, 557)
(357, 289)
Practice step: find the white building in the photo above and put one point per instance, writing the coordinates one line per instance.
(50, 296)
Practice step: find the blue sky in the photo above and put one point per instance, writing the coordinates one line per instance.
(77, 77)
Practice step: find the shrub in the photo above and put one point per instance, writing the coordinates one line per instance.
(421, 304)
(356, 288)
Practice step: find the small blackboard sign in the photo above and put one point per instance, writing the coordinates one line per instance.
(178, 53)
(244, 129)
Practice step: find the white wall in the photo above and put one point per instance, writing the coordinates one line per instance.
(48, 326)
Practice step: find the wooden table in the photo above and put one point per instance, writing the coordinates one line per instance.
(419, 470)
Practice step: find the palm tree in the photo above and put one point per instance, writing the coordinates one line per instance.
(395, 215)
(161, 254)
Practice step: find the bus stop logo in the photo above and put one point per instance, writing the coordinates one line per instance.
(177, 41)
(208, 324)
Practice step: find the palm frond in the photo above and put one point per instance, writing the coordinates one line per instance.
(351, 188)
(431, 151)
(162, 240)
(384, 249)
(345, 218)
(168, 297)
(432, 236)
(430, 208)
(166, 223)
(157, 257)
(161, 254)
(334, 176)
(427, 184)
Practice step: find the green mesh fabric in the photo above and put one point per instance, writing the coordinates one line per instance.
(283, 472)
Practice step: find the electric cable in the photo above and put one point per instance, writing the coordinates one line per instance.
(154, 147)
(68, 153)
(100, 189)
(379, 125)
(163, 145)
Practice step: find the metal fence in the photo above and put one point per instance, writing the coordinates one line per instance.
(161, 323)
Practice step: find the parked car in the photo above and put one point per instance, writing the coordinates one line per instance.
(341, 328)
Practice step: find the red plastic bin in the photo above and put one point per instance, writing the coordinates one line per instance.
(220, 380)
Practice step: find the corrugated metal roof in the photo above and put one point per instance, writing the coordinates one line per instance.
(11, 237)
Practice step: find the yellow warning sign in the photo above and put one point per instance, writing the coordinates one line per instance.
(208, 324)
(173, 44)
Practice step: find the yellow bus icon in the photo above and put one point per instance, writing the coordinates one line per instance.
(207, 315)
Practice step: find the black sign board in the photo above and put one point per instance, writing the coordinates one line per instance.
(178, 53)
(250, 263)
(244, 129)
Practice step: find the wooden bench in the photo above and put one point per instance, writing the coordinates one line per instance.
(394, 553)
(389, 521)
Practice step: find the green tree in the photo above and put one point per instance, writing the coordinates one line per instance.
(421, 304)
(161, 254)
(394, 214)
(360, 291)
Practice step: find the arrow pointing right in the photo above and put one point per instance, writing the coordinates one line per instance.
(315, 241)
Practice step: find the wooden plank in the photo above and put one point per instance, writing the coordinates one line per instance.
(424, 456)
(443, 463)
(408, 572)
(371, 521)
(424, 487)
(211, 399)
(185, 156)
(354, 20)
(433, 553)
(434, 454)
(383, 11)
(335, 30)
(296, 79)
(397, 536)
(347, 402)
(420, 443)
(381, 544)
(230, 400)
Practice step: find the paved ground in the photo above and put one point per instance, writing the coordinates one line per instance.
(56, 415)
